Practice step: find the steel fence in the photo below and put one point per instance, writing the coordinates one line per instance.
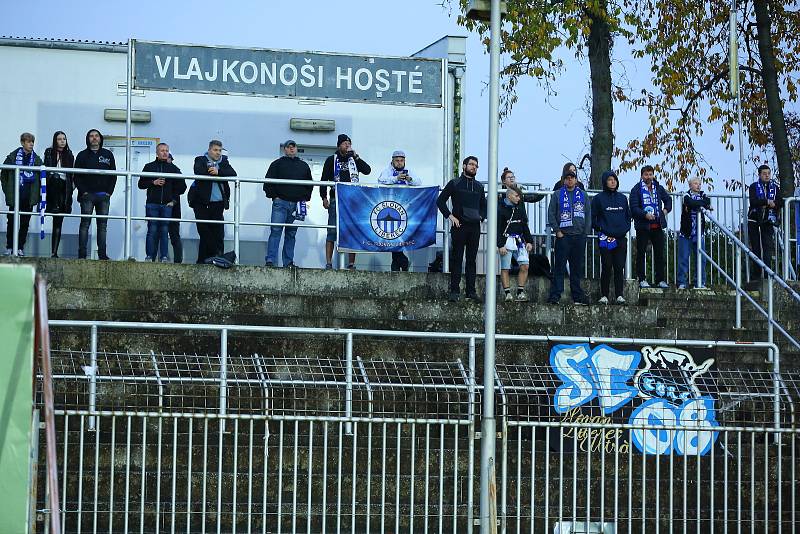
(279, 441)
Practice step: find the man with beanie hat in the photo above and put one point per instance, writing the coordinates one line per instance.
(94, 190)
(611, 219)
(469, 210)
(344, 165)
(397, 174)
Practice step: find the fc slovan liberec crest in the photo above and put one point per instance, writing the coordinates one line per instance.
(389, 219)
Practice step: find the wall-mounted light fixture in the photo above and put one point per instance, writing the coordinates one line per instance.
(313, 125)
(118, 115)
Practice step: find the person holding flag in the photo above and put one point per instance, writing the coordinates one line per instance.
(30, 190)
(345, 165)
(397, 174)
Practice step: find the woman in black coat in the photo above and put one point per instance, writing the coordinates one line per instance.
(59, 185)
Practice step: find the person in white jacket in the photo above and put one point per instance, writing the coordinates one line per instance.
(397, 174)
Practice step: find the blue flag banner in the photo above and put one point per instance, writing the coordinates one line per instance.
(373, 218)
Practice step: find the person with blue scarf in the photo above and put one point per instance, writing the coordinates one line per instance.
(29, 190)
(762, 217)
(693, 202)
(569, 215)
(650, 203)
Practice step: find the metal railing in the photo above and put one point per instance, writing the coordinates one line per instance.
(736, 281)
(159, 442)
(727, 206)
(790, 244)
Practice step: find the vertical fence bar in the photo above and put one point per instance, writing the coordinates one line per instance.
(92, 375)
(143, 475)
(237, 215)
(279, 487)
(189, 451)
(348, 395)
(15, 230)
(96, 475)
(128, 133)
(223, 378)
(310, 473)
(787, 242)
(111, 469)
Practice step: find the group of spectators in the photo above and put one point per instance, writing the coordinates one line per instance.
(572, 214)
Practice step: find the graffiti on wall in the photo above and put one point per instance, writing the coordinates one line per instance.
(650, 387)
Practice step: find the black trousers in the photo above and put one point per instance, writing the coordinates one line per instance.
(399, 261)
(613, 261)
(212, 235)
(466, 239)
(762, 242)
(24, 223)
(644, 238)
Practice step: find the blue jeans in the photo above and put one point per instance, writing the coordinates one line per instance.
(157, 229)
(282, 212)
(569, 249)
(687, 247)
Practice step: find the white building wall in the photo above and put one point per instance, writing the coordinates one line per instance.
(60, 89)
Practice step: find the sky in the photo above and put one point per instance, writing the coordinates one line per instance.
(541, 134)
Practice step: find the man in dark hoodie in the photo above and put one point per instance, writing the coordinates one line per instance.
(765, 203)
(344, 165)
(650, 203)
(469, 210)
(288, 202)
(29, 190)
(611, 219)
(210, 199)
(162, 194)
(569, 215)
(94, 190)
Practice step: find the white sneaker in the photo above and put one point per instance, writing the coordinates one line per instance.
(681, 286)
(644, 284)
(603, 300)
(20, 253)
(509, 297)
(8, 252)
(663, 285)
(621, 300)
(522, 296)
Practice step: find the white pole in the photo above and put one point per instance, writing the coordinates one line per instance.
(734, 75)
(488, 425)
(128, 192)
(15, 230)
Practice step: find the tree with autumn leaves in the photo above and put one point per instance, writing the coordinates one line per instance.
(686, 45)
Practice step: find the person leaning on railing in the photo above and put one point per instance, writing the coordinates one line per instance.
(94, 191)
(209, 199)
(765, 203)
(693, 202)
(60, 185)
(29, 191)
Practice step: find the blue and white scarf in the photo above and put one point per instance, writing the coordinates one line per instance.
(570, 209)
(694, 196)
(770, 192)
(25, 177)
(649, 199)
(338, 164)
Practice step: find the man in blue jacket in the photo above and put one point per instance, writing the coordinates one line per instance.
(650, 203)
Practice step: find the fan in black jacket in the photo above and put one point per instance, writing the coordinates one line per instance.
(94, 190)
(209, 199)
(162, 194)
(762, 217)
(345, 165)
(514, 240)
